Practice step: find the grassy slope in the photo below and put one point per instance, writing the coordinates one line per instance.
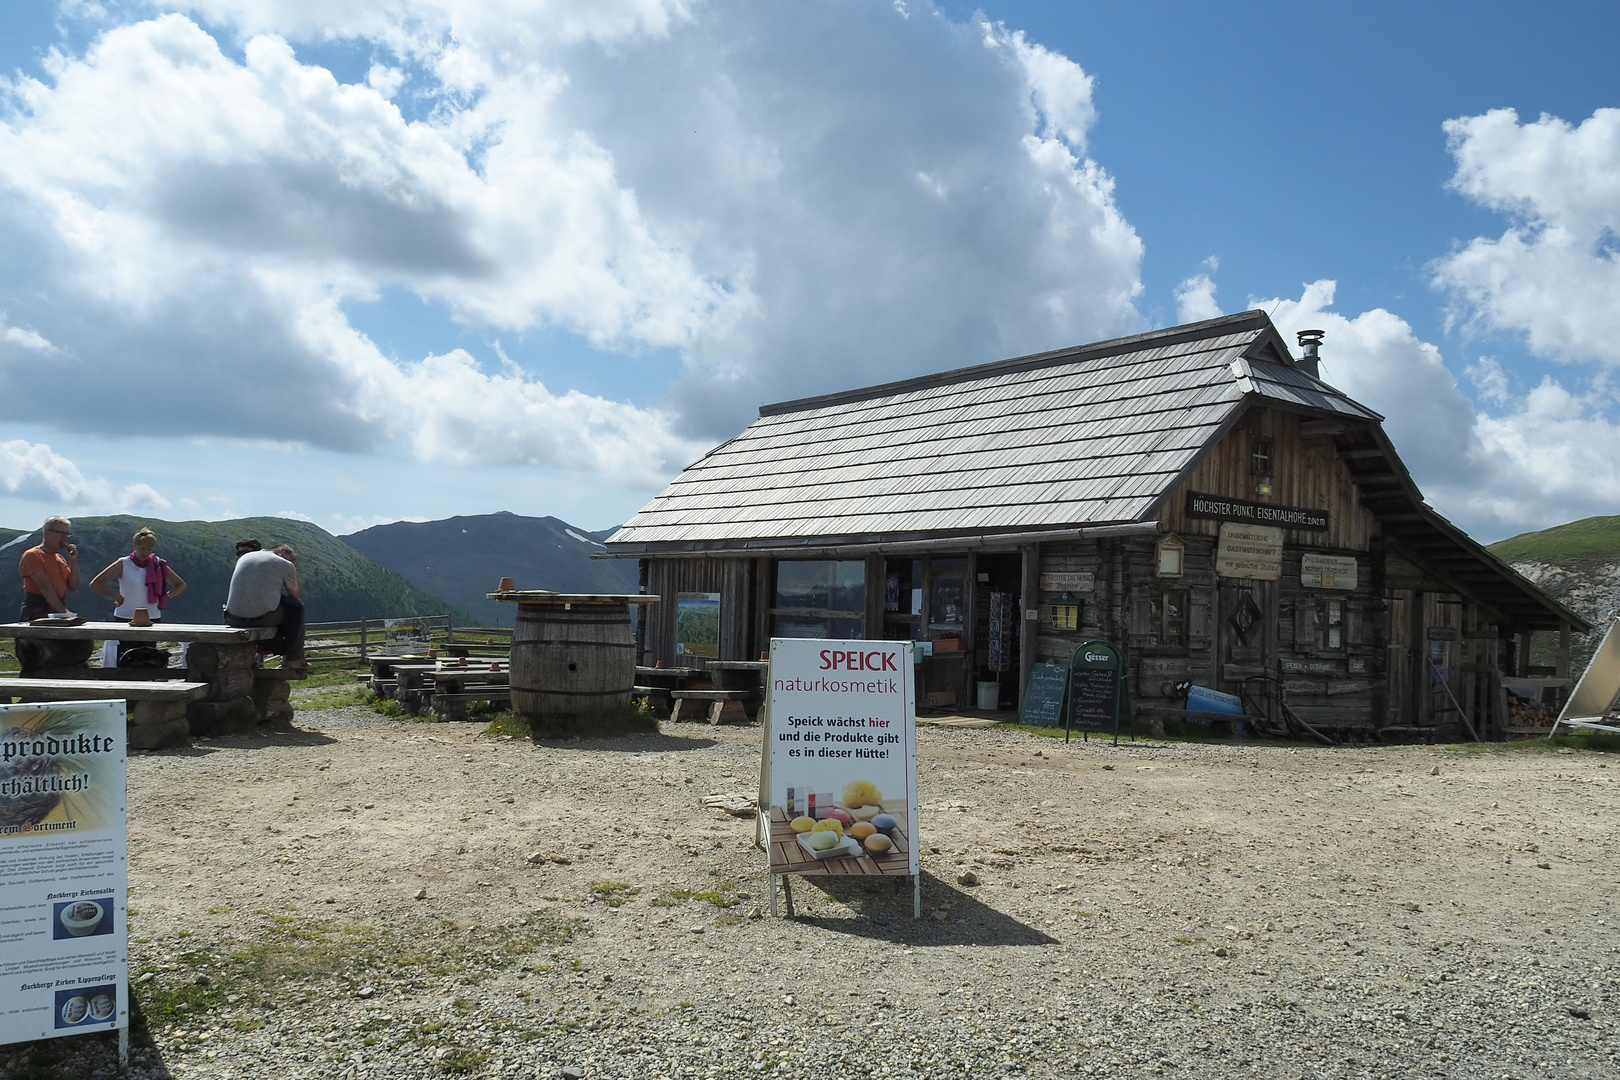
(1579, 543)
(463, 558)
(339, 582)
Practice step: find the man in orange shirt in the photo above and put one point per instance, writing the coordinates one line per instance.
(49, 571)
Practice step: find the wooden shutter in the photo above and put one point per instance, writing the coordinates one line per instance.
(1352, 622)
(1141, 618)
(1198, 613)
(1305, 624)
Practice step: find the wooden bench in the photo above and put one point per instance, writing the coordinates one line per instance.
(717, 699)
(453, 706)
(157, 714)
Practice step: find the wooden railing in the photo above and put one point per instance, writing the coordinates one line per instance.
(358, 639)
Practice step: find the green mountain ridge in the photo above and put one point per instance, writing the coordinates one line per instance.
(339, 583)
(464, 558)
(1578, 564)
(1593, 539)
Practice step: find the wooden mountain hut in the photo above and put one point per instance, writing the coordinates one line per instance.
(1196, 495)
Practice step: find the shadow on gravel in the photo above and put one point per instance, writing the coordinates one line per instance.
(630, 744)
(254, 740)
(78, 1056)
(883, 910)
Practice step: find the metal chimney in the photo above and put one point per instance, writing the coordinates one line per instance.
(1310, 341)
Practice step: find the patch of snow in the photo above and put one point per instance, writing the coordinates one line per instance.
(584, 539)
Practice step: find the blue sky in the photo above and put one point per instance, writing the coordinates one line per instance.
(359, 262)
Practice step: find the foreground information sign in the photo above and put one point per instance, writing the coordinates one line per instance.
(841, 757)
(64, 945)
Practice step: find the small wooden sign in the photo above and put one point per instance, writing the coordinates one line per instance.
(1080, 581)
(1310, 667)
(1249, 552)
(1327, 571)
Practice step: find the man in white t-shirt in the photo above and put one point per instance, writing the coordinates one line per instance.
(265, 592)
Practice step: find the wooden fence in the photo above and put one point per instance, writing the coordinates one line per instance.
(357, 640)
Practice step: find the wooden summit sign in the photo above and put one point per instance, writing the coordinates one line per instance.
(1220, 508)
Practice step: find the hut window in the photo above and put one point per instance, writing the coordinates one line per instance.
(1260, 453)
(819, 599)
(1329, 625)
(1167, 617)
(1169, 555)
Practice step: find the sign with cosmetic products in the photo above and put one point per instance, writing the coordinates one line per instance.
(840, 757)
(64, 939)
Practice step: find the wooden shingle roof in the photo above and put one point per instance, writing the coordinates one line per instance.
(1077, 437)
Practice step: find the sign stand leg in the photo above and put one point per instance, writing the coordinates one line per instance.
(916, 896)
(787, 891)
(770, 886)
(123, 1049)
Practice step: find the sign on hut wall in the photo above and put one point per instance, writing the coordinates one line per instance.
(1327, 571)
(1249, 552)
(1080, 581)
(63, 871)
(1220, 508)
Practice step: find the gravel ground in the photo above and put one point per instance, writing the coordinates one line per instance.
(361, 897)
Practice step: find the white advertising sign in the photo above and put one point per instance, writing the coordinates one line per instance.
(64, 942)
(1249, 552)
(1327, 571)
(841, 757)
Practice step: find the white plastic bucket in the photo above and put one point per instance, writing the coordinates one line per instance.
(989, 695)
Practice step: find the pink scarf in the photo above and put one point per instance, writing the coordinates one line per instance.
(157, 584)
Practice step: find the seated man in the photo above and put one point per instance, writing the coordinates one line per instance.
(49, 572)
(265, 592)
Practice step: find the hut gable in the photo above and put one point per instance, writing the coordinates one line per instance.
(1287, 454)
(1086, 436)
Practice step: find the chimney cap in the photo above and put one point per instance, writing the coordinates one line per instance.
(1308, 338)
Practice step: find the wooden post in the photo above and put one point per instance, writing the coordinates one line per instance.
(363, 655)
(872, 623)
(450, 629)
(1029, 627)
(1562, 670)
(1524, 653)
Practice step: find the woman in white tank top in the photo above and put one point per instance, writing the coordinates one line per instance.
(127, 582)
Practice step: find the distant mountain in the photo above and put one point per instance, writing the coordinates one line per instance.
(1577, 564)
(463, 558)
(339, 583)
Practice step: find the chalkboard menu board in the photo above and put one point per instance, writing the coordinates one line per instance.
(1094, 688)
(1043, 697)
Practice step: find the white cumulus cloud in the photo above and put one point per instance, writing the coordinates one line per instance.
(782, 199)
(1527, 461)
(1554, 275)
(35, 472)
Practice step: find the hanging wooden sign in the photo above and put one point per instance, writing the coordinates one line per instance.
(1221, 508)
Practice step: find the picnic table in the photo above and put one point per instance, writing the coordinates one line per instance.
(747, 676)
(787, 852)
(166, 705)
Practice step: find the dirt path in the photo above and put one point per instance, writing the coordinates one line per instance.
(1193, 909)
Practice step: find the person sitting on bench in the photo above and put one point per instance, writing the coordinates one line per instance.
(49, 571)
(265, 592)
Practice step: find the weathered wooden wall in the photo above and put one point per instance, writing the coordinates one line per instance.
(1306, 472)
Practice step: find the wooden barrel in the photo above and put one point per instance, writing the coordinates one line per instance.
(570, 660)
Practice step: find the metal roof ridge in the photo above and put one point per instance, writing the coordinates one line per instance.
(1097, 350)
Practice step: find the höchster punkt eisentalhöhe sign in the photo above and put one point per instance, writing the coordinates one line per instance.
(841, 757)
